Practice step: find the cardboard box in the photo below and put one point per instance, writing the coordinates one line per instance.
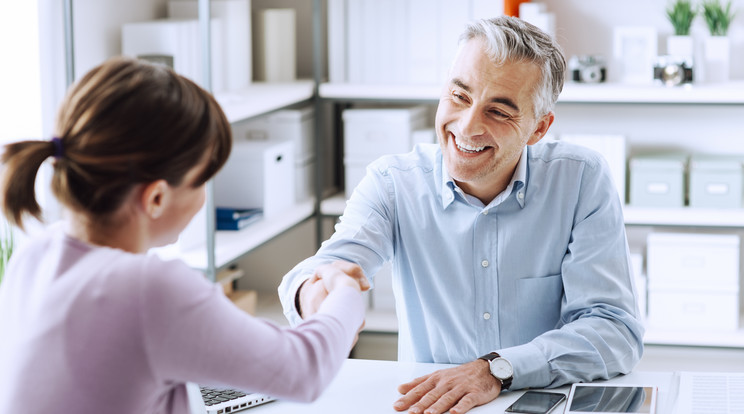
(244, 299)
(716, 181)
(658, 180)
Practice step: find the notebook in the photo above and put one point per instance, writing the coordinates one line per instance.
(211, 400)
(710, 393)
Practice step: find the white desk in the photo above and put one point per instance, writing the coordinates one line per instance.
(365, 386)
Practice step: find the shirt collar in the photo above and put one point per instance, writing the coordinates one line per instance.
(517, 184)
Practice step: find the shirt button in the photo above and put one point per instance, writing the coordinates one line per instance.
(485, 212)
(486, 316)
(484, 263)
(520, 195)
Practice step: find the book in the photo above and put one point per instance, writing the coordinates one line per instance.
(237, 218)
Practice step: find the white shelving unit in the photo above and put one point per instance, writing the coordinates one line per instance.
(717, 96)
(232, 245)
(229, 246)
(725, 93)
(259, 98)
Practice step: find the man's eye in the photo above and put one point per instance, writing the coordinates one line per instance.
(458, 96)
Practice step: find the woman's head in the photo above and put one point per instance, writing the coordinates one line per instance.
(125, 123)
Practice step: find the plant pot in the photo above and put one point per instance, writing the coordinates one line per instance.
(717, 58)
(681, 46)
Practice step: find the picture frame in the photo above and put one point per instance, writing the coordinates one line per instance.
(635, 49)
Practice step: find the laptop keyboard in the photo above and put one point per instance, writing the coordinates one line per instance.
(214, 396)
(228, 400)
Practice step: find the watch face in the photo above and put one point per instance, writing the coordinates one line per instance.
(501, 368)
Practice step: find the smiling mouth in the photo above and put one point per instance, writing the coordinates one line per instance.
(468, 149)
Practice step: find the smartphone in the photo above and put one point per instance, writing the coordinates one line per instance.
(536, 402)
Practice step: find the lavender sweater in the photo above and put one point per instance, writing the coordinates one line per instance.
(87, 329)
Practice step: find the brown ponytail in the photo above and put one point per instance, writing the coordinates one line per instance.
(126, 122)
(21, 162)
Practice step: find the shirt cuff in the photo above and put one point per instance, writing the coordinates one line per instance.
(290, 312)
(530, 366)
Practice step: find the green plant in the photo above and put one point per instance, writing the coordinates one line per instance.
(680, 14)
(717, 17)
(6, 248)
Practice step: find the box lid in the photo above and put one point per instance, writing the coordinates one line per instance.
(660, 160)
(723, 163)
(693, 239)
(388, 114)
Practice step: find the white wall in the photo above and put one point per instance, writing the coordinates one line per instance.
(585, 26)
(20, 79)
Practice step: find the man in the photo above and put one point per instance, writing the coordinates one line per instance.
(509, 257)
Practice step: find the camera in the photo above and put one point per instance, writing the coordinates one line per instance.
(673, 70)
(588, 69)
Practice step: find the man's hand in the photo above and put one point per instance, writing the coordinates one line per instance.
(341, 273)
(456, 389)
(314, 290)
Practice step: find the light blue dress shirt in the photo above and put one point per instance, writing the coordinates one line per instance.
(540, 275)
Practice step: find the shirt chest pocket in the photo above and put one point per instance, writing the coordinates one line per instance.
(539, 305)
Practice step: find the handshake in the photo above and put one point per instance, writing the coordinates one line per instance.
(326, 279)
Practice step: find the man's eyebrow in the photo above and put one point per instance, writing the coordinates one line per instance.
(505, 101)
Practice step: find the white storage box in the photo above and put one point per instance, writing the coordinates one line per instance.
(259, 174)
(383, 298)
(694, 261)
(175, 41)
(370, 133)
(688, 310)
(716, 181)
(294, 125)
(304, 178)
(658, 180)
(276, 46)
(354, 171)
(235, 16)
(613, 148)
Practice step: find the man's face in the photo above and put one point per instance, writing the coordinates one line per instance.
(485, 118)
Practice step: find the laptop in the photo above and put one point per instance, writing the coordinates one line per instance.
(212, 400)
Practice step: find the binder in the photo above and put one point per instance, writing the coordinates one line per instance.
(237, 218)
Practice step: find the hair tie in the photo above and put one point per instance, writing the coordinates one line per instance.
(58, 149)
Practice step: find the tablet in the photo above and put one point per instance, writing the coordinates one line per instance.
(611, 398)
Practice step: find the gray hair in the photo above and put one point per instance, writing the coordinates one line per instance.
(509, 39)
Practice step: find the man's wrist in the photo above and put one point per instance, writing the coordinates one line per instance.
(500, 368)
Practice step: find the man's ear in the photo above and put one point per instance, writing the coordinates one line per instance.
(155, 198)
(541, 128)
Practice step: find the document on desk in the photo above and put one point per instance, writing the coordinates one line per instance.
(710, 393)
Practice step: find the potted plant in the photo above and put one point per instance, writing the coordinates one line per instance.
(681, 13)
(717, 47)
(6, 247)
(717, 17)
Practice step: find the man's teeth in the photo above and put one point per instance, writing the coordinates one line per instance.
(467, 148)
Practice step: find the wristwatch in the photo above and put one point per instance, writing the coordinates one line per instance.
(500, 368)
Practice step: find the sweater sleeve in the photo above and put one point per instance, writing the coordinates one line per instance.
(192, 332)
